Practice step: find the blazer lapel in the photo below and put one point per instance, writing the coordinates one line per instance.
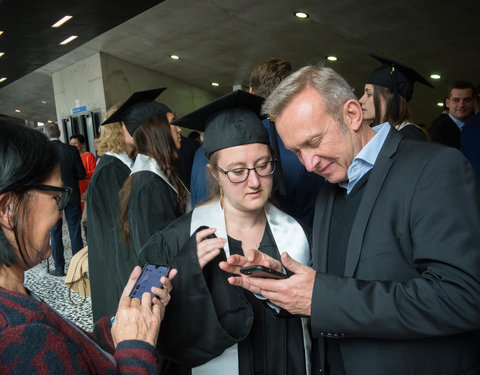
(375, 181)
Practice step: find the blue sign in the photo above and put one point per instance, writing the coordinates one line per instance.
(79, 109)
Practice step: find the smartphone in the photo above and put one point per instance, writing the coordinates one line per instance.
(149, 277)
(261, 271)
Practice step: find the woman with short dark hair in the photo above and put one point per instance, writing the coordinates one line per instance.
(34, 338)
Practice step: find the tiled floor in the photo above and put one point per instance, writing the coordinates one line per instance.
(52, 290)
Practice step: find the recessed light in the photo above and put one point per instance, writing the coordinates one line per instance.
(332, 58)
(440, 104)
(40, 123)
(174, 57)
(61, 21)
(49, 121)
(44, 102)
(215, 84)
(3, 79)
(68, 40)
(435, 76)
(2, 53)
(18, 111)
(301, 14)
(1, 32)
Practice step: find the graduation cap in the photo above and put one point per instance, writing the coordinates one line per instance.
(232, 120)
(138, 108)
(395, 76)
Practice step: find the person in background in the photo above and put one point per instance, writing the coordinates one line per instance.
(388, 90)
(296, 188)
(215, 328)
(460, 102)
(153, 195)
(470, 137)
(109, 259)
(88, 159)
(34, 338)
(72, 172)
(396, 247)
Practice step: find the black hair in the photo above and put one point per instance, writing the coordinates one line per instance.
(80, 137)
(27, 158)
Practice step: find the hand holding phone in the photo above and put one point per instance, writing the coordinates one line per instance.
(150, 276)
(261, 271)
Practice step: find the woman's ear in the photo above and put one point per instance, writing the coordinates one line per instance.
(6, 211)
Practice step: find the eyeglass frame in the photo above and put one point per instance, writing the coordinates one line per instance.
(62, 199)
(248, 171)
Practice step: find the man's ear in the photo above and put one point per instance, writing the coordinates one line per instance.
(6, 211)
(353, 114)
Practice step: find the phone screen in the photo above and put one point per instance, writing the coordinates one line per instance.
(150, 276)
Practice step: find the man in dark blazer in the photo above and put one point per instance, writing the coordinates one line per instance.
(72, 170)
(447, 128)
(395, 283)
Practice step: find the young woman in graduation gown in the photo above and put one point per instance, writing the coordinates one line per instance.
(153, 195)
(214, 327)
(388, 89)
(107, 253)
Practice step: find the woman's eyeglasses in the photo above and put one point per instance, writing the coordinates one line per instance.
(62, 198)
(238, 175)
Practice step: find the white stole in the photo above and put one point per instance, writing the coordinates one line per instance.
(123, 157)
(146, 163)
(288, 235)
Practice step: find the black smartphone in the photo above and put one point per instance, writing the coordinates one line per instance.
(150, 276)
(261, 271)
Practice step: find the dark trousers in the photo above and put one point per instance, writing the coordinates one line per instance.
(73, 215)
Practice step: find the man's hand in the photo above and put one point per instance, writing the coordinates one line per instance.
(252, 258)
(293, 294)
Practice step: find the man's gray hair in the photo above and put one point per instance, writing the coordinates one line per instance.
(329, 84)
(52, 131)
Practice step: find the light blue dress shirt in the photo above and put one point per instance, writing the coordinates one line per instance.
(366, 158)
(457, 122)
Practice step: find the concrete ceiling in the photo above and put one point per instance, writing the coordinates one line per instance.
(222, 40)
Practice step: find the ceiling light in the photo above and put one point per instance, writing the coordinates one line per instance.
(440, 104)
(301, 15)
(68, 40)
(40, 123)
(215, 84)
(332, 58)
(18, 111)
(435, 76)
(3, 79)
(1, 32)
(49, 121)
(62, 21)
(44, 102)
(2, 53)
(174, 57)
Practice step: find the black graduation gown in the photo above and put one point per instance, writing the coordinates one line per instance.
(207, 315)
(413, 131)
(107, 253)
(152, 205)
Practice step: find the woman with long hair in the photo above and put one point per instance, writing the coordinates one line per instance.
(388, 89)
(153, 195)
(109, 260)
(220, 328)
(34, 338)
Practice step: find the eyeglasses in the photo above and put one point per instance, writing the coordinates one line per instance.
(62, 198)
(238, 175)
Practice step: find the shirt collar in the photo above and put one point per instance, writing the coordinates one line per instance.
(366, 158)
(457, 122)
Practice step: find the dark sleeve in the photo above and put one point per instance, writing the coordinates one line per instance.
(91, 164)
(151, 206)
(206, 315)
(78, 165)
(441, 295)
